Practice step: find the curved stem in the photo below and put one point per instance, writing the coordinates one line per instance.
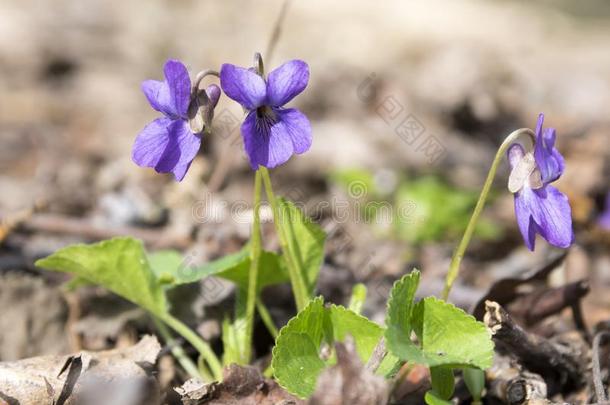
(199, 77)
(202, 347)
(259, 66)
(255, 253)
(266, 317)
(178, 352)
(299, 287)
(454, 267)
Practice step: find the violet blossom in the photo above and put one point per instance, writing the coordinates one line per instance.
(168, 144)
(539, 207)
(271, 133)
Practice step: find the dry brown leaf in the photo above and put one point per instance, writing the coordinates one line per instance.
(349, 382)
(119, 376)
(240, 385)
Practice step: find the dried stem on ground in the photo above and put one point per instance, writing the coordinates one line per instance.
(560, 365)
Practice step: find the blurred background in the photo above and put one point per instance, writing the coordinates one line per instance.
(408, 103)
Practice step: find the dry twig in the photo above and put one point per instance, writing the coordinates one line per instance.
(558, 364)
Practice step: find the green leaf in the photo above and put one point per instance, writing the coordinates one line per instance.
(451, 337)
(313, 326)
(432, 398)
(447, 335)
(231, 347)
(305, 238)
(435, 210)
(399, 319)
(443, 381)
(75, 283)
(239, 328)
(164, 264)
(366, 333)
(172, 269)
(296, 363)
(271, 271)
(358, 298)
(171, 264)
(312, 320)
(118, 264)
(475, 381)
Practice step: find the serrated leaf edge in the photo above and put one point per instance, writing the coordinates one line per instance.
(283, 331)
(39, 262)
(393, 290)
(478, 323)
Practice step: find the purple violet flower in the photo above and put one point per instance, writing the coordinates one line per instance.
(272, 133)
(168, 144)
(604, 219)
(539, 207)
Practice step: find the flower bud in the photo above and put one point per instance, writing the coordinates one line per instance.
(201, 110)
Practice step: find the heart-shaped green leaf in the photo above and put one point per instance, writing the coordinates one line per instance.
(296, 356)
(305, 240)
(399, 319)
(447, 335)
(172, 269)
(118, 264)
(451, 337)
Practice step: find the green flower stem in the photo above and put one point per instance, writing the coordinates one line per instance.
(198, 343)
(454, 267)
(255, 253)
(178, 352)
(266, 317)
(296, 272)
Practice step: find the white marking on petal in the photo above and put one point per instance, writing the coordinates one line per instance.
(535, 180)
(196, 123)
(522, 172)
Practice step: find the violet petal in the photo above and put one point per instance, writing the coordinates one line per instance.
(181, 149)
(158, 96)
(179, 85)
(151, 143)
(286, 82)
(266, 143)
(296, 126)
(243, 86)
(167, 146)
(213, 92)
(549, 160)
(545, 211)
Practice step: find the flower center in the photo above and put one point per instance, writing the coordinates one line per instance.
(265, 118)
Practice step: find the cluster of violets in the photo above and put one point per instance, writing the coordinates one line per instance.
(273, 133)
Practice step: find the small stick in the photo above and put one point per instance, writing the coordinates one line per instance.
(12, 221)
(74, 312)
(377, 357)
(552, 361)
(277, 30)
(554, 300)
(600, 393)
(526, 388)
